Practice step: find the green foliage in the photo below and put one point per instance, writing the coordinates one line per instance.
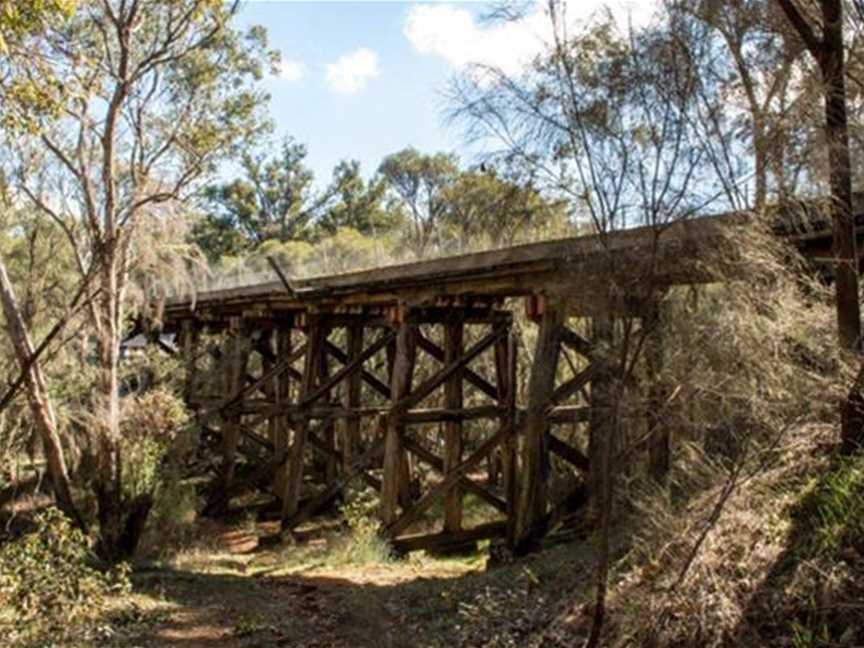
(49, 587)
(483, 207)
(347, 249)
(150, 424)
(832, 510)
(291, 255)
(27, 98)
(273, 200)
(416, 185)
(364, 544)
(171, 524)
(357, 204)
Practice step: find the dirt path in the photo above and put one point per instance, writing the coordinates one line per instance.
(243, 595)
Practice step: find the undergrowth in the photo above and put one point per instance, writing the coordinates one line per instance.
(831, 511)
(51, 591)
(363, 544)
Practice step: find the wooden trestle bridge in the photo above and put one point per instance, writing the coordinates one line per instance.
(315, 383)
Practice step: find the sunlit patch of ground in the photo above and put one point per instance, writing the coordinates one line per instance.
(233, 591)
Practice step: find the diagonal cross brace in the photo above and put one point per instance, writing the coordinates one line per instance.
(435, 351)
(355, 365)
(414, 513)
(277, 369)
(435, 381)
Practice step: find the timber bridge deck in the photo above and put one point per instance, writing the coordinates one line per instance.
(311, 385)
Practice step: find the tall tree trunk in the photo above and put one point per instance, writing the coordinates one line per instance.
(120, 522)
(828, 52)
(840, 165)
(37, 396)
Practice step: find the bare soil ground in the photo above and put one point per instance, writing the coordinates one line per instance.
(238, 593)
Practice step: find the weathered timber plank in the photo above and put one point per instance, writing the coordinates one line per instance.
(566, 415)
(316, 339)
(438, 465)
(435, 380)
(353, 395)
(580, 252)
(394, 487)
(576, 342)
(567, 452)
(413, 514)
(436, 415)
(241, 393)
(427, 345)
(369, 378)
(354, 366)
(505, 378)
(453, 350)
(448, 539)
(567, 389)
(533, 496)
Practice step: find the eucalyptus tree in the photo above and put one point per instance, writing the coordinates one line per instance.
(416, 183)
(356, 203)
(26, 100)
(157, 93)
(605, 119)
(273, 199)
(822, 35)
(488, 208)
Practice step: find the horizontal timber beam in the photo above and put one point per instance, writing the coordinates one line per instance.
(438, 465)
(435, 351)
(412, 515)
(449, 539)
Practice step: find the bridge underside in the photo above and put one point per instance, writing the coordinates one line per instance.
(313, 387)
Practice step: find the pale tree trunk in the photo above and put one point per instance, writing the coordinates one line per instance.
(121, 521)
(37, 396)
(107, 418)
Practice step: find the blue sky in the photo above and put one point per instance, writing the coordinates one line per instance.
(380, 104)
(361, 80)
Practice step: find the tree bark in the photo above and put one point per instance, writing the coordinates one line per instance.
(837, 136)
(829, 54)
(38, 399)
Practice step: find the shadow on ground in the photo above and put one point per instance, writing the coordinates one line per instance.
(239, 602)
(814, 590)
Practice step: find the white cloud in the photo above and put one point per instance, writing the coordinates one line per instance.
(351, 72)
(291, 70)
(456, 36)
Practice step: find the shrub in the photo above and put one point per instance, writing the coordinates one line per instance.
(49, 585)
(171, 523)
(364, 545)
(152, 423)
(832, 510)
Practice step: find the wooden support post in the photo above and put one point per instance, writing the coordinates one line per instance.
(331, 462)
(453, 348)
(316, 336)
(268, 357)
(533, 496)
(659, 442)
(601, 425)
(395, 486)
(282, 396)
(505, 373)
(351, 426)
(189, 339)
(234, 362)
